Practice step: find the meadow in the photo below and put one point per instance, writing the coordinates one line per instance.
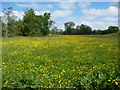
(64, 61)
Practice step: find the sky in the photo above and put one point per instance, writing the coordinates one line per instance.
(97, 15)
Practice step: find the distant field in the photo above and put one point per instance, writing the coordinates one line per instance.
(60, 62)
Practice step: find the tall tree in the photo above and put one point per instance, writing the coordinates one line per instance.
(29, 23)
(0, 26)
(20, 27)
(84, 29)
(77, 30)
(69, 27)
(54, 30)
(47, 23)
(113, 29)
(9, 19)
(44, 23)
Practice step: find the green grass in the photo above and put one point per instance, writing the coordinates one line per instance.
(61, 62)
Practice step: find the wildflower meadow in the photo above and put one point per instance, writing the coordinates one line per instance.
(62, 61)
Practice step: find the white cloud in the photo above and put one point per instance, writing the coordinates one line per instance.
(110, 11)
(67, 5)
(88, 17)
(110, 19)
(35, 5)
(41, 12)
(100, 18)
(18, 14)
(97, 18)
(61, 13)
(82, 18)
(60, 0)
(72, 19)
(84, 4)
(98, 24)
(21, 14)
(71, 0)
(1, 13)
(50, 6)
(95, 22)
(59, 24)
(114, 1)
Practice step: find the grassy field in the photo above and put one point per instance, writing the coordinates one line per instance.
(60, 62)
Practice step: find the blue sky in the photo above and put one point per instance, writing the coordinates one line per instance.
(98, 15)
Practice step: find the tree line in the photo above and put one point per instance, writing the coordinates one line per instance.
(82, 29)
(31, 24)
(42, 25)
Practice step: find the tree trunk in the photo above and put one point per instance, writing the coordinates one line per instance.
(7, 33)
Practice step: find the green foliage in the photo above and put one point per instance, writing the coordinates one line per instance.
(46, 24)
(85, 30)
(69, 27)
(79, 30)
(31, 25)
(36, 25)
(113, 29)
(54, 30)
(20, 27)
